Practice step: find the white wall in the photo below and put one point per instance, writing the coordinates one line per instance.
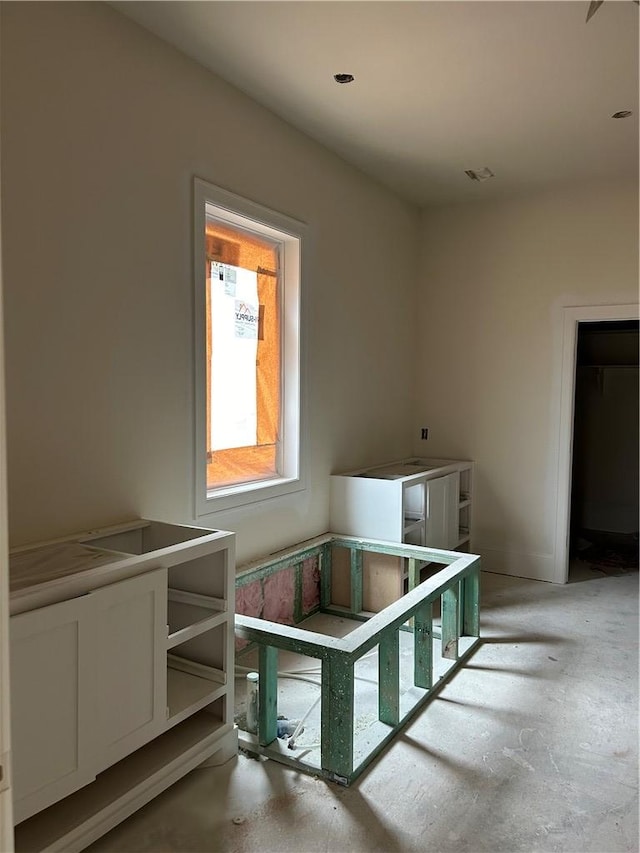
(6, 805)
(495, 277)
(104, 127)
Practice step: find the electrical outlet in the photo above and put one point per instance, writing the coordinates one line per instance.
(425, 433)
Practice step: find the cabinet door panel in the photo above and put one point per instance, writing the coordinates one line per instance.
(51, 694)
(442, 511)
(131, 623)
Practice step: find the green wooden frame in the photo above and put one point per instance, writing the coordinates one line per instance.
(457, 584)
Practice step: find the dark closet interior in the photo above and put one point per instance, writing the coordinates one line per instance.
(604, 488)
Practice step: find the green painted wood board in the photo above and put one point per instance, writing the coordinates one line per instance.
(267, 694)
(389, 679)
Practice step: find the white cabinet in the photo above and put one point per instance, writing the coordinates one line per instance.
(418, 501)
(129, 621)
(52, 690)
(122, 653)
(88, 686)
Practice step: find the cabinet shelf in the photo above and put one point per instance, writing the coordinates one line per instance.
(189, 615)
(187, 693)
(463, 536)
(201, 670)
(464, 503)
(84, 816)
(413, 516)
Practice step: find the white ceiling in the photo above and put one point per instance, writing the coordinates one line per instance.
(525, 88)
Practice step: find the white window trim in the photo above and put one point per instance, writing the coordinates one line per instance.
(235, 210)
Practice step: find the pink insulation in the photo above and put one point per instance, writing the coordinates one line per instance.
(274, 597)
(249, 599)
(279, 597)
(249, 602)
(310, 585)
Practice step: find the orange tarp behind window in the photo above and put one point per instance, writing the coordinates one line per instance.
(243, 464)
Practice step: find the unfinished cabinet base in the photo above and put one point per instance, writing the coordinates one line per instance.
(143, 693)
(80, 819)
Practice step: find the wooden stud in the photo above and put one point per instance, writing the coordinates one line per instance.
(471, 619)
(450, 623)
(325, 576)
(258, 569)
(339, 655)
(413, 572)
(290, 638)
(356, 580)
(268, 695)
(261, 568)
(413, 579)
(297, 599)
(399, 549)
(458, 586)
(389, 678)
(423, 646)
(367, 635)
(336, 720)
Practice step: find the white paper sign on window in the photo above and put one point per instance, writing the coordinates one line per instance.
(234, 348)
(246, 320)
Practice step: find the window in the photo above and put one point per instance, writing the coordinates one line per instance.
(248, 375)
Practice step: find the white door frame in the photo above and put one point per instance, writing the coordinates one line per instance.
(572, 316)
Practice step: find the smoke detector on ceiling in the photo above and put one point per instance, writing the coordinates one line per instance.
(479, 174)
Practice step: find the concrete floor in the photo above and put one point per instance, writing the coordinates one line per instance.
(533, 746)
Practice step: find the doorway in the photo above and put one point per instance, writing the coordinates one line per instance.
(604, 475)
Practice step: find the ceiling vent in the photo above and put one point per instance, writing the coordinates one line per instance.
(479, 174)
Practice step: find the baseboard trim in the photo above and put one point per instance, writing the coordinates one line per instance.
(519, 564)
